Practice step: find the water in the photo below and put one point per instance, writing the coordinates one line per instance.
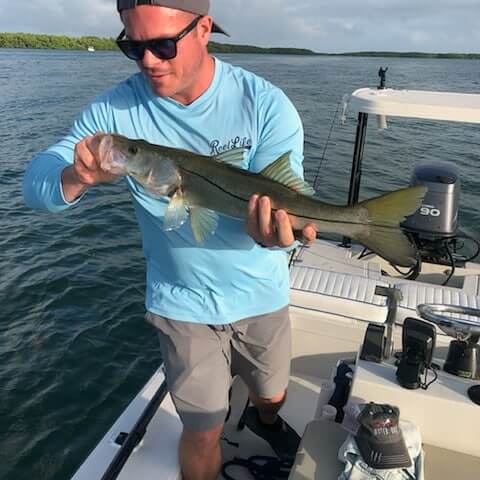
(74, 348)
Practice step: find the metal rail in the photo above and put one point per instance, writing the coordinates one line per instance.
(356, 172)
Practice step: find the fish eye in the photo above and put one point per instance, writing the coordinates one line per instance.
(133, 149)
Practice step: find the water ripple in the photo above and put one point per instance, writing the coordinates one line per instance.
(74, 347)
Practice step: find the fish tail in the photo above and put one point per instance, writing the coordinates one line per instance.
(382, 234)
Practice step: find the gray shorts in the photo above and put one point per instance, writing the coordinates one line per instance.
(200, 361)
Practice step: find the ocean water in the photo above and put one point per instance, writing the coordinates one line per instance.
(74, 348)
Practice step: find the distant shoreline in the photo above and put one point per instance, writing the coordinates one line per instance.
(61, 42)
(466, 56)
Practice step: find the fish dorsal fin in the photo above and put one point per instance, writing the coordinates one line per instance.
(234, 157)
(280, 171)
(176, 213)
(204, 223)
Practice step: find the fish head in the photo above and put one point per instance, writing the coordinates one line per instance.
(147, 163)
(118, 155)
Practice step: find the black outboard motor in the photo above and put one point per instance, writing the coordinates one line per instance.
(438, 215)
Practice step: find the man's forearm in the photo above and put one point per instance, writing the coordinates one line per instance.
(71, 186)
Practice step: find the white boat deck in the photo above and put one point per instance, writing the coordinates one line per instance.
(329, 318)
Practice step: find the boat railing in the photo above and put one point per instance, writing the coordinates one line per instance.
(129, 441)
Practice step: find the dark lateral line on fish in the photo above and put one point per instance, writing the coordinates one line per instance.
(215, 185)
(343, 222)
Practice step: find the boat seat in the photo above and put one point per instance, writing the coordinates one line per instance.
(471, 284)
(414, 293)
(327, 256)
(337, 293)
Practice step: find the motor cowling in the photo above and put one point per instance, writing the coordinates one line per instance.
(437, 217)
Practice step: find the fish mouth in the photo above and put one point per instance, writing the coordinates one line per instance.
(112, 160)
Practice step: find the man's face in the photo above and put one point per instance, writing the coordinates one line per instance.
(179, 77)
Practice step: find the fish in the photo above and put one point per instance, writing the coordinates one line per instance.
(200, 187)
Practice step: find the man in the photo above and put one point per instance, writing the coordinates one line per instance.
(221, 307)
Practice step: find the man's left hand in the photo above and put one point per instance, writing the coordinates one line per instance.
(273, 229)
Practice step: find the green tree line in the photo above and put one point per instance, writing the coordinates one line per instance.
(62, 42)
(230, 48)
(468, 56)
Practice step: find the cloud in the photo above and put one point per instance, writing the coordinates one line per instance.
(322, 25)
(347, 25)
(64, 17)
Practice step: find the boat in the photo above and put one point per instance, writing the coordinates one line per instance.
(91, 49)
(350, 308)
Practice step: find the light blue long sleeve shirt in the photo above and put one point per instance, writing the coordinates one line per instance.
(229, 277)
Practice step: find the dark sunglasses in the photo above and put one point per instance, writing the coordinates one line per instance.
(163, 48)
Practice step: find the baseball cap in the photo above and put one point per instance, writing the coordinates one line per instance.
(199, 7)
(380, 439)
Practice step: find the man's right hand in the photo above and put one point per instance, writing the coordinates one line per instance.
(85, 171)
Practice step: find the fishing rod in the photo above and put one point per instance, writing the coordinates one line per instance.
(326, 146)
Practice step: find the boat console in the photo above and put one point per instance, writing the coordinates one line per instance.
(463, 357)
(439, 397)
(436, 395)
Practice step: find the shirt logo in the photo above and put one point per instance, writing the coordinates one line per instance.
(217, 146)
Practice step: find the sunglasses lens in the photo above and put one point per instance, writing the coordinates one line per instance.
(164, 49)
(132, 50)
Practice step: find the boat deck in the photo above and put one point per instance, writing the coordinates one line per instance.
(322, 334)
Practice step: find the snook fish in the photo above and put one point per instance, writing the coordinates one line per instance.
(202, 186)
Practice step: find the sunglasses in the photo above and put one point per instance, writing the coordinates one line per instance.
(162, 48)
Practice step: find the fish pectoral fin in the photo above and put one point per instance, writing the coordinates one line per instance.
(176, 213)
(234, 157)
(280, 171)
(204, 223)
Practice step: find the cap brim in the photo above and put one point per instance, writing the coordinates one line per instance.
(382, 455)
(218, 29)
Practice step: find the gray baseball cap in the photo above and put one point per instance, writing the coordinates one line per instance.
(199, 7)
(380, 438)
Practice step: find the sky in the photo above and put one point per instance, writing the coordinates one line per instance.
(321, 25)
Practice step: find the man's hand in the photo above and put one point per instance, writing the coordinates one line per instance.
(274, 230)
(85, 171)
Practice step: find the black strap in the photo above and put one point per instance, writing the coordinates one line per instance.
(261, 467)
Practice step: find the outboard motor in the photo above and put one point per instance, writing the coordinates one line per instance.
(434, 226)
(437, 217)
